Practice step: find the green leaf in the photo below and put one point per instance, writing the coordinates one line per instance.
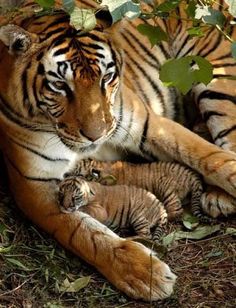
(215, 18)
(191, 9)
(74, 286)
(189, 221)
(17, 263)
(46, 4)
(154, 33)
(232, 7)
(230, 231)
(198, 234)
(183, 73)
(5, 249)
(122, 8)
(68, 5)
(167, 6)
(233, 49)
(195, 31)
(83, 19)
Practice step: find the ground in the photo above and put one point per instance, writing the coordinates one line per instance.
(35, 271)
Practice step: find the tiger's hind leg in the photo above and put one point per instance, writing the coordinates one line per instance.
(217, 106)
(218, 111)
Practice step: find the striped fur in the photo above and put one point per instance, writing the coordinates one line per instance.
(118, 207)
(171, 182)
(65, 96)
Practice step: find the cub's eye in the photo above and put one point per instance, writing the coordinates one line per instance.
(107, 77)
(95, 173)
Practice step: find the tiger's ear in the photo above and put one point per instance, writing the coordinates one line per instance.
(17, 39)
(104, 18)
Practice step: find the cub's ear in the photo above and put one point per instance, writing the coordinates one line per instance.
(17, 39)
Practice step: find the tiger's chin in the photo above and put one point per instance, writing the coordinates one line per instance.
(80, 147)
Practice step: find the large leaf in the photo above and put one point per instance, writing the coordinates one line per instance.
(183, 73)
(122, 8)
(46, 4)
(232, 7)
(76, 285)
(215, 18)
(198, 234)
(154, 33)
(83, 19)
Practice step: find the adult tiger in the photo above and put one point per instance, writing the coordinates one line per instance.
(66, 96)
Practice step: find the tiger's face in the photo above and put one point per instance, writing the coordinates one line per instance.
(75, 81)
(79, 89)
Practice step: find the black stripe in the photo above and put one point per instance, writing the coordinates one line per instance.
(207, 114)
(18, 119)
(38, 179)
(224, 65)
(216, 95)
(38, 153)
(144, 134)
(155, 65)
(61, 51)
(213, 48)
(55, 31)
(63, 19)
(152, 83)
(142, 93)
(225, 132)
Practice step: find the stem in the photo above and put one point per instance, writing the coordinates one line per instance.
(224, 34)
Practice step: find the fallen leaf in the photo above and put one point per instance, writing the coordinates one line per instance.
(75, 285)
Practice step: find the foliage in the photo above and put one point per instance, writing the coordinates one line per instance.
(201, 16)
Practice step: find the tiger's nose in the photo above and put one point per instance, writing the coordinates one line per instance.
(92, 136)
(95, 133)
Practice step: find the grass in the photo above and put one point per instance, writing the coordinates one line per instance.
(34, 268)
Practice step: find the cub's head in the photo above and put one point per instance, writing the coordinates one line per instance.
(74, 193)
(68, 77)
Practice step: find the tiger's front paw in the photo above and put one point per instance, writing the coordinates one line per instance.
(139, 273)
(216, 202)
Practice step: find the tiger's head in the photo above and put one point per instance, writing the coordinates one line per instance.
(67, 77)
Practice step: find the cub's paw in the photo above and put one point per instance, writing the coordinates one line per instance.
(216, 202)
(139, 273)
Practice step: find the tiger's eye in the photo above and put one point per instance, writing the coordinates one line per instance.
(107, 77)
(59, 84)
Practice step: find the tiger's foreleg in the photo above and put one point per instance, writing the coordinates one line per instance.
(130, 266)
(176, 142)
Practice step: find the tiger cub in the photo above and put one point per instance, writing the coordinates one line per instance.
(170, 182)
(118, 206)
